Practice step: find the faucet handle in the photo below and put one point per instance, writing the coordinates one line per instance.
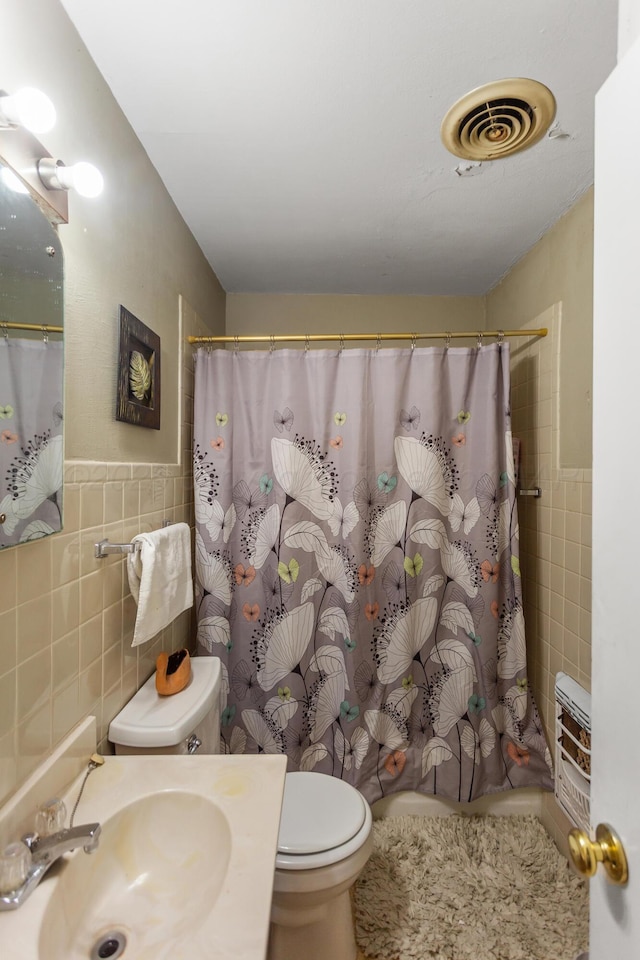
(15, 862)
(50, 817)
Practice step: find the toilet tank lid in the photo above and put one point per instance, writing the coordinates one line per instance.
(149, 720)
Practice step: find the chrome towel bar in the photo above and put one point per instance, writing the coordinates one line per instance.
(104, 548)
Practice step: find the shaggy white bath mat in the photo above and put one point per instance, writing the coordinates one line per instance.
(469, 888)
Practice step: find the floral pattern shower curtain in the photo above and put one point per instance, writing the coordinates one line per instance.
(357, 566)
(31, 444)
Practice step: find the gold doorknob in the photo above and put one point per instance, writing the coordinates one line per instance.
(606, 849)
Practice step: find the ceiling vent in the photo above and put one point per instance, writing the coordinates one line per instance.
(498, 119)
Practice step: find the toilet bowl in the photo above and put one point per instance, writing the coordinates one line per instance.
(325, 827)
(325, 840)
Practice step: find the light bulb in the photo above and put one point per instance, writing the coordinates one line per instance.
(87, 179)
(82, 177)
(28, 108)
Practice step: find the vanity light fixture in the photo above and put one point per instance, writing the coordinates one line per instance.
(29, 108)
(23, 114)
(82, 177)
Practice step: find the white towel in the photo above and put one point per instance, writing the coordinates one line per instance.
(160, 578)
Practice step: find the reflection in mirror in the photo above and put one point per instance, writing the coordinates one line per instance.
(31, 368)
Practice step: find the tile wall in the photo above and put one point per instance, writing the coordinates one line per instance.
(555, 535)
(66, 619)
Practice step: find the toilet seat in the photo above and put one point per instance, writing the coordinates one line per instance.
(324, 820)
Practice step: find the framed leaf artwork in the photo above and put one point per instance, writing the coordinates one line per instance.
(138, 399)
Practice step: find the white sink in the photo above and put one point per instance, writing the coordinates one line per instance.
(183, 870)
(148, 852)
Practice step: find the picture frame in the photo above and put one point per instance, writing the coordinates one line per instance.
(138, 399)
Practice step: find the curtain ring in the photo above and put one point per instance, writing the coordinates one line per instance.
(236, 344)
(341, 344)
(5, 330)
(447, 339)
(378, 341)
(500, 336)
(45, 334)
(307, 343)
(479, 340)
(413, 342)
(273, 343)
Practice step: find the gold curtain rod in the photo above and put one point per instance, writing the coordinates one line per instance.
(378, 337)
(39, 327)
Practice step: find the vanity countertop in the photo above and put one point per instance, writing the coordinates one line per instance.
(226, 811)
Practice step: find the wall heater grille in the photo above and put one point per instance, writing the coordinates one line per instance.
(573, 749)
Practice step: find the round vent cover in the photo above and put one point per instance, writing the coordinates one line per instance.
(498, 119)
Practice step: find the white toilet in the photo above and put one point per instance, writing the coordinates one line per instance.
(324, 842)
(325, 827)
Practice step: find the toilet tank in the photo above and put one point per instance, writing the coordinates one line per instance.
(183, 723)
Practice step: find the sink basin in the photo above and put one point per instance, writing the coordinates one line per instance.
(151, 853)
(183, 871)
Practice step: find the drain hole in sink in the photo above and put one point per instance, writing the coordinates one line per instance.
(110, 946)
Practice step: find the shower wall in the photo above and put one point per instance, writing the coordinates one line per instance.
(551, 406)
(551, 409)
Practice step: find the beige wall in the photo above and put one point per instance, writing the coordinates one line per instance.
(129, 246)
(552, 286)
(275, 313)
(66, 619)
(559, 268)
(547, 403)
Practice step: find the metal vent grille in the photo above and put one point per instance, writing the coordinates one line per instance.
(498, 119)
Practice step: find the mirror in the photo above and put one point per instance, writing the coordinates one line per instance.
(31, 367)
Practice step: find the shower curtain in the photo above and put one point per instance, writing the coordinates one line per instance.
(31, 445)
(357, 566)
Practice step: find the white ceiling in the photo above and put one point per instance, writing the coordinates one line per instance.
(300, 139)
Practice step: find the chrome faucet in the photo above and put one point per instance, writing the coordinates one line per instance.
(44, 853)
